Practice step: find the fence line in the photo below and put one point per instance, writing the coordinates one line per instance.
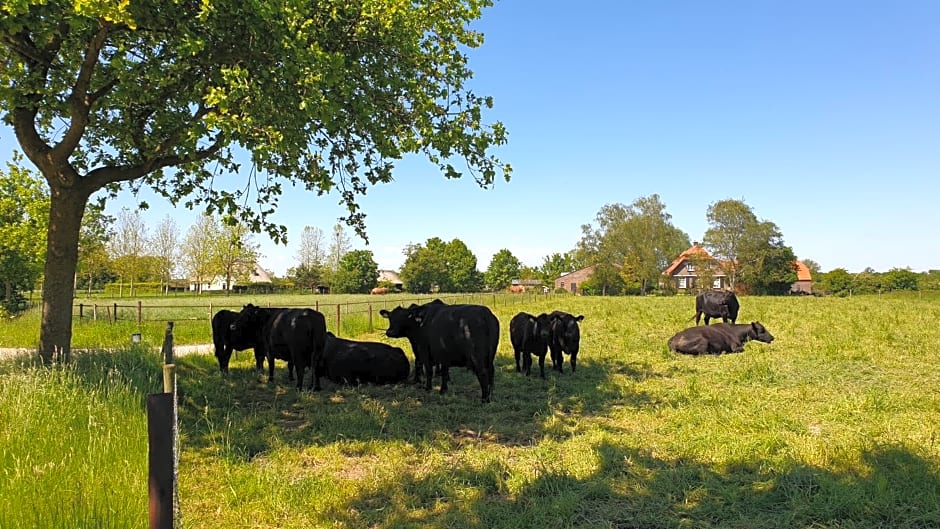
(139, 312)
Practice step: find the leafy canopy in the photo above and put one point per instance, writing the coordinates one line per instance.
(324, 96)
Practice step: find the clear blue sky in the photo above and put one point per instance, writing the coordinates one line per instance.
(824, 117)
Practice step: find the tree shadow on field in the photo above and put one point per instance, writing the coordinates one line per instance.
(630, 488)
(247, 415)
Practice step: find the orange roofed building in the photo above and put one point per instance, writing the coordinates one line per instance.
(684, 272)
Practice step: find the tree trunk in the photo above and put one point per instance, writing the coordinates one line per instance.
(65, 220)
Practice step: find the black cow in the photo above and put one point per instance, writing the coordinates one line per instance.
(746, 332)
(530, 336)
(448, 335)
(715, 304)
(296, 334)
(226, 340)
(354, 362)
(566, 338)
(705, 340)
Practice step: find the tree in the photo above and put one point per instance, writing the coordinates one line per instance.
(94, 268)
(312, 250)
(339, 246)
(164, 245)
(234, 252)
(127, 246)
(504, 267)
(324, 95)
(765, 264)
(729, 222)
(639, 239)
(358, 273)
(900, 279)
(553, 266)
(439, 266)
(24, 211)
(196, 254)
(462, 273)
(837, 282)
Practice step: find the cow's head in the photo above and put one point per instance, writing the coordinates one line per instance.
(759, 332)
(401, 321)
(543, 327)
(565, 329)
(250, 317)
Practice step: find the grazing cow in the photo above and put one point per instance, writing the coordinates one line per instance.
(566, 338)
(715, 304)
(448, 335)
(296, 334)
(354, 362)
(516, 289)
(379, 290)
(746, 332)
(530, 336)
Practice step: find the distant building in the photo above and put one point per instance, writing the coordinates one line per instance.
(804, 279)
(572, 281)
(217, 283)
(683, 273)
(392, 277)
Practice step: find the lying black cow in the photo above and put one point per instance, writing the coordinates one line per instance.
(354, 362)
(746, 332)
(299, 335)
(566, 338)
(715, 304)
(530, 336)
(705, 340)
(719, 338)
(448, 335)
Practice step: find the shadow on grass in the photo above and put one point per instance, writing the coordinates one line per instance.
(249, 415)
(633, 489)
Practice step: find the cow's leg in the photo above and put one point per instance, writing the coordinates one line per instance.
(517, 354)
(707, 317)
(542, 365)
(698, 317)
(557, 360)
(428, 374)
(486, 383)
(526, 362)
(574, 361)
(317, 371)
(259, 359)
(445, 377)
(270, 356)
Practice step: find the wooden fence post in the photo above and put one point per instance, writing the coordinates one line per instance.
(163, 439)
(370, 317)
(115, 312)
(140, 311)
(337, 319)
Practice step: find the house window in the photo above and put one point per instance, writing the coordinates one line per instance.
(716, 283)
(682, 282)
(690, 267)
(574, 288)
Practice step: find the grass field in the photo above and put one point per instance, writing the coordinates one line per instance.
(832, 425)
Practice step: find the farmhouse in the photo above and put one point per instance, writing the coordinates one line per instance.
(217, 283)
(572, 280)
(804, 279)
(693, 266)
(390, 276)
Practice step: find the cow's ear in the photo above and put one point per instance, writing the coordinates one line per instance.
(383, 313)
(580, 317)
(416, 313)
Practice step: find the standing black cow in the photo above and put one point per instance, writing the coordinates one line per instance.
(716, 304)
(745, 332)
(447, 335)
(355, 362)
(566, 338)
(705, 340)
(296, 334)
(226, 340)
(530, 336)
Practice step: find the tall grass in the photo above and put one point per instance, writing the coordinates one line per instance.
(832, 425)
(73, 443)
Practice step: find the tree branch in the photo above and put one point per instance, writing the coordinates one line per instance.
(79, 101)
(102, 176)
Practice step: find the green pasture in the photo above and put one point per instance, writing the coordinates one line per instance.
(833, 425)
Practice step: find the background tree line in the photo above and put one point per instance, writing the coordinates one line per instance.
(629, 246)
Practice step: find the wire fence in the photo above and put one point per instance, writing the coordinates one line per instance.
(343, 318)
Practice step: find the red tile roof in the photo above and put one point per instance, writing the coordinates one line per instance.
(695, 249)
(802, 272)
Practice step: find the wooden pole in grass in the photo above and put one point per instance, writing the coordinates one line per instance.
(163, 439)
